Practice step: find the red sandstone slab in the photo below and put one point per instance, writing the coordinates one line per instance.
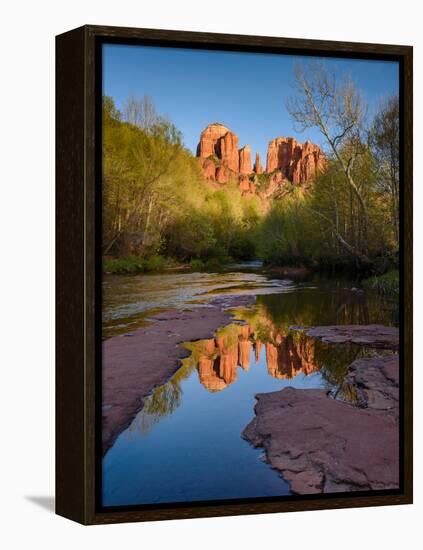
(322, 445)
(376, 336)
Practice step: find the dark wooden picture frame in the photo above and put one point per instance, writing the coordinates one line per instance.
(78, 196)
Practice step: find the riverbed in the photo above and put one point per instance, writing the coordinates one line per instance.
(185, 443)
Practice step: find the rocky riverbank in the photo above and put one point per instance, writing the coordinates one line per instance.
(322, 445)
(374, 336)
(136, 362)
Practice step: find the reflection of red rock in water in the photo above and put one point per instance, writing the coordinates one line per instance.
(257, 349)
(244, 346)
(220, 357)
(208, 367)
(218, 362)
(287, 359)
(228, 359)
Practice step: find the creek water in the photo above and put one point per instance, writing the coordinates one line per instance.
(186, 444)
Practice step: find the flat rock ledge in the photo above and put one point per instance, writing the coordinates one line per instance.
(375, 382)
(375, 336)
(136, 362)
(323, 445)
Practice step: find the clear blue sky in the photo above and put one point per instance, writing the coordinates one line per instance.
(245, 91)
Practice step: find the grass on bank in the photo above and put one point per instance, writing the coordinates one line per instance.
(386, 284)
(157, 263)
(212, 264)
(134, 264)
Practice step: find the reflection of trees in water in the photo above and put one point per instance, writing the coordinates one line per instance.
(334, 306)
(164, 400)
(334, 360)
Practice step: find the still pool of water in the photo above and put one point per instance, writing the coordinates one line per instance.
(185, 444)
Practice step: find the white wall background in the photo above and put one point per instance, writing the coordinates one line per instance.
(27, 270)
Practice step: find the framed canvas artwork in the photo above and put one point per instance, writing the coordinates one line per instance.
(234, 274)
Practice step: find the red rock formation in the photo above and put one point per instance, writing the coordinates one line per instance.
(258, 168)
(217, 140)
(245, 160)
(244, 184)
(229, 151)
(209, 169)
(287, 159)
(222, 174)
(209, 139)
(208, 367)
(297, 163)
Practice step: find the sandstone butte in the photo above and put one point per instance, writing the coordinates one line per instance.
(287, 159)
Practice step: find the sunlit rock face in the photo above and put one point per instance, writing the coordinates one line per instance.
(209, 168)
(258, 168)
(246, 186)
(287, 160)
(245, 160)
(222, 174)
(209, 140)
(219, 142)
(297, 162)
(227, 150)
(220, 158)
